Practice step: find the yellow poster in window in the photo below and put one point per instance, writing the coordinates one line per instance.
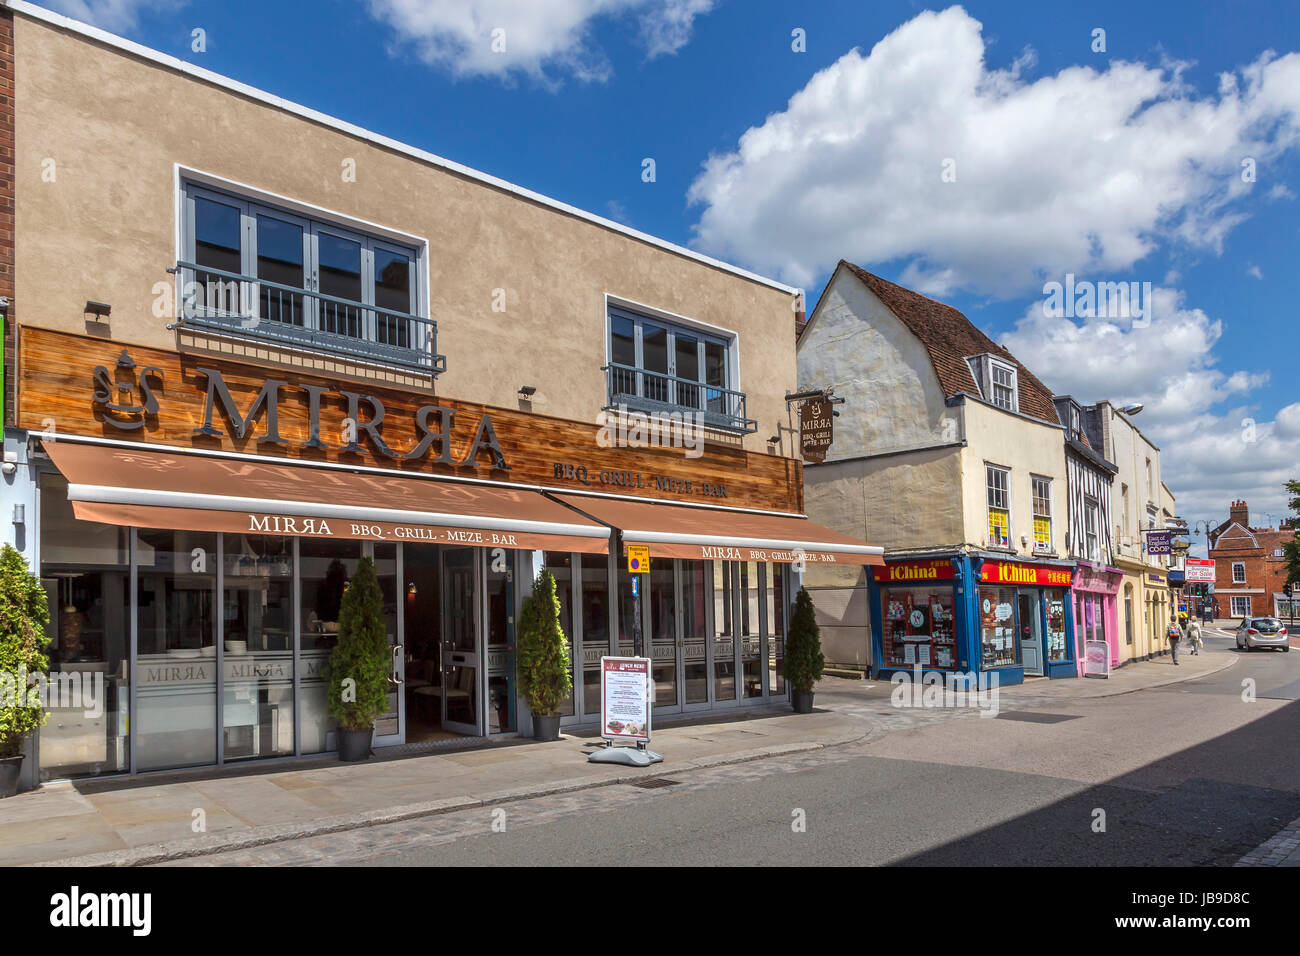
(999, 528)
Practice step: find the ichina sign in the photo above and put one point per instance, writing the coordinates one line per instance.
(916, 571)
(816, 429)
(1012, 572)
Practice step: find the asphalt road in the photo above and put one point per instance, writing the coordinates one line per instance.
(1194, 773)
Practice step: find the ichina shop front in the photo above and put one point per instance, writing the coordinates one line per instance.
(967, 612)
(195, 522)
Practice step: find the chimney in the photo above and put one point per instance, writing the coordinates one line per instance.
(1239, 513)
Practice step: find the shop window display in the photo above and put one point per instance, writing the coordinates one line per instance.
(918, 628)
(998, 647)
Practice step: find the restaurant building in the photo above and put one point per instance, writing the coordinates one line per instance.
(949, 454)
(247, 344)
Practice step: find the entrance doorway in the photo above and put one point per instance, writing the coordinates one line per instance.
(442, 687)
(1031, 633)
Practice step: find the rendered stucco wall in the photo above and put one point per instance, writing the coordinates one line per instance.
(858, 347)
(110, 127)
(1026, 446)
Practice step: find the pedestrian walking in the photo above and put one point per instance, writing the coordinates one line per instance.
(1175, 636)
(1194, 637)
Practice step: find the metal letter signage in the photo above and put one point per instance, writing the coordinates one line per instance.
(114, 393)
(816, 429)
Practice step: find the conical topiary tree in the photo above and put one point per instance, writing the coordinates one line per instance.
(544, 676)
(362, 654)
(24, 616)
(804, 660)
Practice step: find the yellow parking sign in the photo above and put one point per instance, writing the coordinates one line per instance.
(638, 559)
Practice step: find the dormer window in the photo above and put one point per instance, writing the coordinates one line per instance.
(996, 381)
(1002, 385)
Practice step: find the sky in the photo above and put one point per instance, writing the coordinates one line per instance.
(975, 152)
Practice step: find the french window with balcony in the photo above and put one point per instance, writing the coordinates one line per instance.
(262, 272)
(656, 366)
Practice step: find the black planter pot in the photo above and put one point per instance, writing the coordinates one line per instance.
(355, 744)
(803, 701)
(10, 768)
(546, 727)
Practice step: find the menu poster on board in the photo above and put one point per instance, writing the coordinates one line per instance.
(1096, 660)
(625, 698)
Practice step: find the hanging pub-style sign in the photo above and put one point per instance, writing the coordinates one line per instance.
(816, 429)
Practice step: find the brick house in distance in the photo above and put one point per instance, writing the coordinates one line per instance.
(1249, 566)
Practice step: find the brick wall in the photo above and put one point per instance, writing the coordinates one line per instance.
(7, 202)
(1265, 574)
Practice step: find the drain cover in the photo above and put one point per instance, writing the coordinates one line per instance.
(654, 783)
(1033, 718)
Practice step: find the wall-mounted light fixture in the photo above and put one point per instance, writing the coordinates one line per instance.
(774, 440)
(20, 513)
(527, 391)
(100, 310)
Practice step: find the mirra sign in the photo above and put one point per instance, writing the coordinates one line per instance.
(816, 428)
(364, 418)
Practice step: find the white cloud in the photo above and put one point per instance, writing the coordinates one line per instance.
(115, 16)
(1254, 272)
(1087, 169)
(1209, 455)
(544, 40)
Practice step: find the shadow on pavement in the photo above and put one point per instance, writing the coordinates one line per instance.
(1186, 809)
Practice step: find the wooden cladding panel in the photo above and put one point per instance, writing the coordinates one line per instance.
(57, 387)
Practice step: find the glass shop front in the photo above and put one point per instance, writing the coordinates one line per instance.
(232, 633)
(1016, 621)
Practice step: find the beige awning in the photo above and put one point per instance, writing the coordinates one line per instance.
(156, 489)
(679, 531)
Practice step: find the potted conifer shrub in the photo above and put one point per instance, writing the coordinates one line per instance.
(543, 654)
(360, 664)
(24, 615)
(804, 660)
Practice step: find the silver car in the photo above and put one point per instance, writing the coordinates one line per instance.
(1255, 632)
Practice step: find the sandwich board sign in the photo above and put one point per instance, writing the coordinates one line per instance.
(625, 708)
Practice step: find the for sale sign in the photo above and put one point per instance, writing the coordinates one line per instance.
(1199, 569)
(625, 698)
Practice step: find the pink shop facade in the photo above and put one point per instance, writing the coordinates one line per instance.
(1096, 616)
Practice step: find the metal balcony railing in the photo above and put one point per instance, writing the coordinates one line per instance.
(640, 390)
(249, 307)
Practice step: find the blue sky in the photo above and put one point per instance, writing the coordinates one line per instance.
(1115, 165)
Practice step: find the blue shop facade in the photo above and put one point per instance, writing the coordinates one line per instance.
(980, 612)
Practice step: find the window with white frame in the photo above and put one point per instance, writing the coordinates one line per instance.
(998, 481)
(1091, 524)
(1124, 497)
(1042, 513)
(661, 365)
(264, 271)
(1241, 606)
(1002, 385)
(1238, 572)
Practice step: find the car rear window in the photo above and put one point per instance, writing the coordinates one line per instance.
(1270, 623)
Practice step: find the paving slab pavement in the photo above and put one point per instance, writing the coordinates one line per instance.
(152, 819)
